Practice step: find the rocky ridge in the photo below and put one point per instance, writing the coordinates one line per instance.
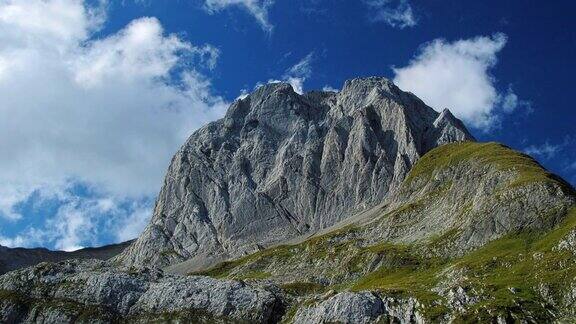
(16, 258)
(282, 165)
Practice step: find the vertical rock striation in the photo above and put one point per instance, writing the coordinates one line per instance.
(281, 165)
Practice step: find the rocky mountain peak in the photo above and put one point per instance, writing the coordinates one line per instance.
(281, 165)
(362, 205)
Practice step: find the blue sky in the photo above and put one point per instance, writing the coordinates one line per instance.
(98, 95)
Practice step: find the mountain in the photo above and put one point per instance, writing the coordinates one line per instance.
(281, 165)
(362, 206)
(476, 233)
(16, 258)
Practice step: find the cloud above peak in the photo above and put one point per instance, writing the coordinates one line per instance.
(299, 73)
(457, 75)
(257, 8)
(396, 13)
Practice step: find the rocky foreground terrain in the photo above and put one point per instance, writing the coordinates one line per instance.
(362, 206)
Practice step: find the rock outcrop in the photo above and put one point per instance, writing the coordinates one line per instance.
(282, 165)
(95, 292)
(361, 308)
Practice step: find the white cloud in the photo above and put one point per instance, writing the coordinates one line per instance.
(457, 76)
(134, 225)
(510, 102)
(13, 242)
(243, 94)
(296, 75)
(396, 13)
(547, 150)
(299, 73)
(257, 8)
(330, 88)
(82, 221)
(53, 23)
(106, 112)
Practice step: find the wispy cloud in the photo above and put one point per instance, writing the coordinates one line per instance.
(546, 150)
(330, 88)
(299, 73)
(257, 8)
(296, 75)
(571, 166)
(510, 102)
(396, 13)
(456, 75)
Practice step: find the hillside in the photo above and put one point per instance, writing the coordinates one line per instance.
(362, 206)
(423, 247)
(17, 258)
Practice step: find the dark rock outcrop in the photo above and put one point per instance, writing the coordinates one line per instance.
(17, 258)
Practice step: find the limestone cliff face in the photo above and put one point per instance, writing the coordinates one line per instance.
(282, 165)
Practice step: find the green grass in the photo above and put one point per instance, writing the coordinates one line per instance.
(440, 241)
(505, 271)
(224, 269)
(318, 247)
(253, 275)
(302, 288)
(504, 158)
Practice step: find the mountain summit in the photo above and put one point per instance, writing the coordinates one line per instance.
(358, 206)
(281, 165)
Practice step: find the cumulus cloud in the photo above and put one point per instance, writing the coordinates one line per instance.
(133, 224)
(257, 8)
(457, 76)
(396, 13)
(80, 221)
(108, 112)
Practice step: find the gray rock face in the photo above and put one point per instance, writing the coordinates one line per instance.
(568, 243)
(281, 165)
(364, 307)
(474, 201)
(92, 291)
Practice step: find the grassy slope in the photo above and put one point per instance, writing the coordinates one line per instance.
(505, 273)
(492, 153)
